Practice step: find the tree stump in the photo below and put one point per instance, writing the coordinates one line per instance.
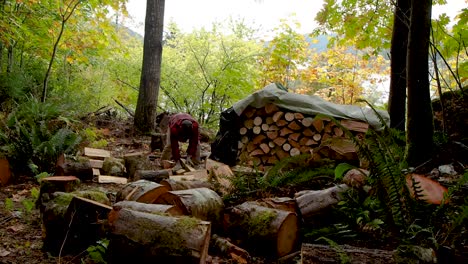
(138, 237)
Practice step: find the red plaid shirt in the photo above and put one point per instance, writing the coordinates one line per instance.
(175, 126)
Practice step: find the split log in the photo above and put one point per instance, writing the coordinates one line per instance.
(142, 191)
(111, 179)
(138, 237)
(294, 126)
(258, 139)
(202, 203)
(318, 124)
(267, 230)
(307, 121)
(265, 148)
(248, 123)
(272, 134)
(282, 123)
(177, 185)
(273, 128)
(97, 164)
(277, 116)
(314, 202)
(294, 152)
(285, 131)
(256, 130)
(220, 173)
(314, 253)
(222, 245)
(243, 130)
(269, 120)
(151, 175)
(279, 141)
(280, 203)
(356, 126)
(80, 168)
(295, 136)
(298, 116)
(171, 210)
(308, 132)
(249, 112)
(96, 153)
(271, 108)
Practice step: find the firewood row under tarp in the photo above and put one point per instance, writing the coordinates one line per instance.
(225, 146)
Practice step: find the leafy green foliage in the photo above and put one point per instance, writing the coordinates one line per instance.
(97, 253)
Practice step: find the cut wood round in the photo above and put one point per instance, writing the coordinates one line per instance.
(243, 130)
(289, 116)
(171, 210)
(151, 175)
(294, 152)
(176, 185)
(240, 145)
(314, 202)
(263, 229)
(271, 144)
(307, 121)
(257, 121)
(245, 139)
(269, 120)
(265, 127)
(142, 191)
(202, 203)
(138, 237)
(256, 130)
(286, 147)
(248, 123)
(317, 137)
(277, 116)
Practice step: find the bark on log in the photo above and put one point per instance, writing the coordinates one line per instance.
(81, 168)
(315, 254)
(271, 108)
(138, 237)
(177, 185)
(202, 203)
(280, 203)
(148, 208)
(277, 116)
(142, 191)
(307, 121)
(151, 175)
(222, 245)
(263, 229)
(314, 202)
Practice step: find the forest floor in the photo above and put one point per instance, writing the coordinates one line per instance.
(20, 223)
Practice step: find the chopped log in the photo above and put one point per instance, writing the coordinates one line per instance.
(294, 152)
(138, 237)
(356, 126)
(269, 120)
(177, 185)
(249, 112)
(280, 203)
(271, 108)
(112, 179)
(142, 191)
(282, 123)
(80, 168)
(317, 137)
(258, 121)
(186, 166)
(271, 144)
(265, 127)
(240, 145)
(151, 175)
(96, 172)
(167, 164)
(96, 163)
(267, 230)
(338, 149)
(96, 153)
(294, 126)
(273, 128)
(289, 116)
(298, 116)
(222, 245)
(329, 128)
(258, 139)
(5, 172)
(265, 148)
(281, 154)
(318, 124)
(295, 136)
(315, 253)
(257, 152)
(202, 203)
(221, 173)
(314, 202)
(307, 121)
(286, 147)
(285, 131)
(279, 141)
(272, 134)
(243, 130)
(245, 139)
(256, 130)
(148, 208)
(272, 160)
(294, 144)
(307, 142)
(305, 149)
(338, 131)
(308, 132)
(251, 147)
(277, 116)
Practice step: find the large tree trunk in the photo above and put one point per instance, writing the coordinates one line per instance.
(145, 114)
(398, 50)
(420, 127)
(138, 237)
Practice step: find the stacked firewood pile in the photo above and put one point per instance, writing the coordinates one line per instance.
(270, 133)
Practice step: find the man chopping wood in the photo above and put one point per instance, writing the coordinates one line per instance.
(182, 127)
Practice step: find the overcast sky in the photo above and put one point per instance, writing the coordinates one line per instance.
(189, 14)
